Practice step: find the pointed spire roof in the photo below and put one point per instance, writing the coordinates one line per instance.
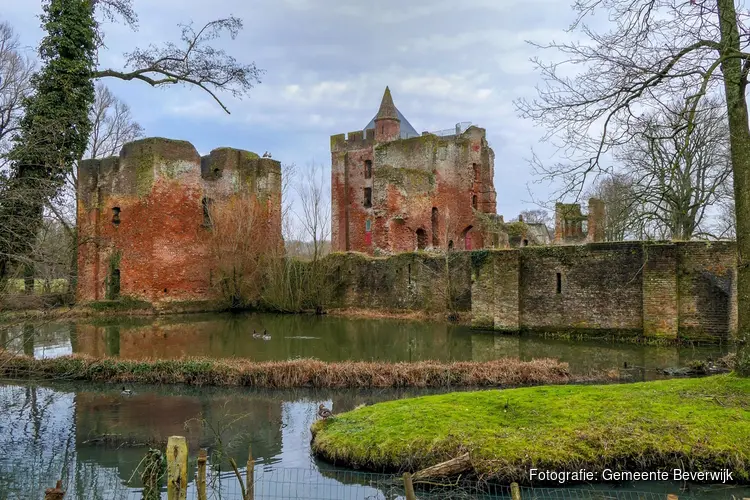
(387, 108)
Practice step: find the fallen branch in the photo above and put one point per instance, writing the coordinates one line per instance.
(449, 468)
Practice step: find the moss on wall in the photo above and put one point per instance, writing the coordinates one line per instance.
(409, 180)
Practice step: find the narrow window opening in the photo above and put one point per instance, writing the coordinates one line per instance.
(421, 239)
(559, 283)
(368, 225)
(368, 198)
(525, 243)
(435, 239)
(474, 201)
(368, 169)
(114, 285)
(450, 245)
(207, 203)
(115, 215)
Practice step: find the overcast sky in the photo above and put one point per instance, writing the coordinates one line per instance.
(327, 63)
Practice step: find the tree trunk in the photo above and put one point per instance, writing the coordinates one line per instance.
(28, 279)
(739, 141)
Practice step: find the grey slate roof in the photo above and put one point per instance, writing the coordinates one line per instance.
(406, 129)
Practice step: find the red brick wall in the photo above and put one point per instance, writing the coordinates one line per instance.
(410, 177)
(160, 245)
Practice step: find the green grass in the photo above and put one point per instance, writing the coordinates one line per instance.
(696, 424)
(59, 285)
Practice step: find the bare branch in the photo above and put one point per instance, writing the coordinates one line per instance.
(195, 63)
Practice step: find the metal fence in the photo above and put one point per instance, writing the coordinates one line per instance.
(315, 484)
(459, 129)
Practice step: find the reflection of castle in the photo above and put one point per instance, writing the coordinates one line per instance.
(108, 421)
(227, 336)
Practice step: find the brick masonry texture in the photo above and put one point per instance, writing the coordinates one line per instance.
(411, 193)
(141, 217)
(683, 290)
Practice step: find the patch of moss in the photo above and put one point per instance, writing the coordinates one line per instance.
(650, 425)
(409, 179)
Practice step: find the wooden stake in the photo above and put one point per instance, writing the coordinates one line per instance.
(250, 473)
(515, 491)
(672, 496)
(177, 455)
(55, 493)
(409, 487)
(201, 480)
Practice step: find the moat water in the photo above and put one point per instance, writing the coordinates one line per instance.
(93, 437)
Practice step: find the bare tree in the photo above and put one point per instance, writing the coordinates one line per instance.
(288, 173)
(617, 192)
(193, 62)
(315, 207)
(536, 216)
(15, 74)
(653, 51)
(677, 178)
(113, 125)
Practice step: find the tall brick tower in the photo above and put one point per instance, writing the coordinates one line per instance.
(387, 123)
(394, 190)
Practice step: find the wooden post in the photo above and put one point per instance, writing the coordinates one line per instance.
(177, 468)
(201, 480)
(409, 487)
(55, 493)
(515, 491)
(250, 474)
(672, 496)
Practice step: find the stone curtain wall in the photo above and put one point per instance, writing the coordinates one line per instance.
(141, 223)
(667, 290)
(407, 281)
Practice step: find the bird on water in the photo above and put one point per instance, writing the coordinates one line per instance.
(256, 335)
(324, 412)
(266, 335)
(126, 392)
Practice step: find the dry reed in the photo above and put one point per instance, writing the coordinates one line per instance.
(294, 373)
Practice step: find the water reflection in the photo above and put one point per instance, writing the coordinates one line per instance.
(94, 438)
(331, 339)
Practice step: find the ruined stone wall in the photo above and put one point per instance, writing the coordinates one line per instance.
(407, 281)
(707, 289)
(581, 287)
(668, 290)
(423, 187)
(141, 219)
(681, 290)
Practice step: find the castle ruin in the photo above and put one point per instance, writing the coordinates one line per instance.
(393, 190)
(145, 224)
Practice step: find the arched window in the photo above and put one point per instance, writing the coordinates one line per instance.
(466, 235)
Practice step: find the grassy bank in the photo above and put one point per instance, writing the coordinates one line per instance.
(696, 424)
(288, 374)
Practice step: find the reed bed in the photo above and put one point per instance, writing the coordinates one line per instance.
(508, 372)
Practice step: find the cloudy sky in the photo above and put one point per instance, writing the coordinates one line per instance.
(327, 63)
